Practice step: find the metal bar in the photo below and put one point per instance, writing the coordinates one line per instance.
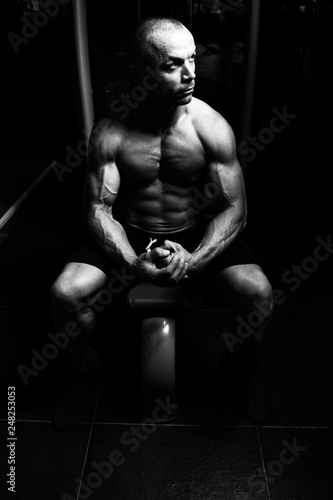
(139, 10)
(190, 6)
(83, 66)
(19, 202)
(250, 72)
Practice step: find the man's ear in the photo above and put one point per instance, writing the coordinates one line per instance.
(135, 73)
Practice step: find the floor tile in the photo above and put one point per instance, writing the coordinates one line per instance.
(304, 471)
(48, 463)
(167, 462)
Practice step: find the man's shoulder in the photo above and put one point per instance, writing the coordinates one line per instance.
(204, 116)
(198, 106)
(107, 133)
(208, 122)
(108, 125)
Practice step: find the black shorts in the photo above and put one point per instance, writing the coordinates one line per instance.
(237, 254)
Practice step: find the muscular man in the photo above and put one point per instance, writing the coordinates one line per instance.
(143, 171)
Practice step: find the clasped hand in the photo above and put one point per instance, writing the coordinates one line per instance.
(166, 265)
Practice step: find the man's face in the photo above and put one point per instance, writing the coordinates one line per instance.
(175, 66)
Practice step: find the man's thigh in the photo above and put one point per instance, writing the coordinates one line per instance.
(243, 284)
(80, 280)
(230, 274)
(89, 274)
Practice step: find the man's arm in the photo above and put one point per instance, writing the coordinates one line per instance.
(101, 189)
(225, 172)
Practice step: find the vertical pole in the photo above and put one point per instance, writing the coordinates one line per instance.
(250, 71)
(139, 11)
(83, 66)
(190, 6)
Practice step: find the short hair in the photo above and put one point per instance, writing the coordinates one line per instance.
(142, 44)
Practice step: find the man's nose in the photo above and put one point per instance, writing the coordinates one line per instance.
(189, 71)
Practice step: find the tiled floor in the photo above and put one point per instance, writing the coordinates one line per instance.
(210, 452)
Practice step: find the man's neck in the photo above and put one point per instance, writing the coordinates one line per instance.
(158, 117)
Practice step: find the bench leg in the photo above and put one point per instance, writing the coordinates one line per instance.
(157, 362)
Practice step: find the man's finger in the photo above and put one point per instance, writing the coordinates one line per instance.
(179, 275)
(177, 268)
(170, 245)
(169, 270)
(175, 262)
(158, 253)
(163, 261)
(182, 275)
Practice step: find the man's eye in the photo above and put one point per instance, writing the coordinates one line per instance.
(171, 66)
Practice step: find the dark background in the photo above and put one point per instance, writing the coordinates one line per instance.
(289, 192)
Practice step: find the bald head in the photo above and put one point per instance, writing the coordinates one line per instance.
(148, 37)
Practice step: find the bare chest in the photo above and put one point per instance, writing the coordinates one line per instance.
(176, 158)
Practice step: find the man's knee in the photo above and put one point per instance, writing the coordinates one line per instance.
(66, 293)
(260, 295)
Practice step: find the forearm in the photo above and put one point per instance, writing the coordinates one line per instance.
(219, 235)
(111, 237)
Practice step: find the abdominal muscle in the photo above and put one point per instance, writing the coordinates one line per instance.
(159, 208)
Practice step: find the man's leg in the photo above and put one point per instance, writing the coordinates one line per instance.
(72, 296)
(250, 292)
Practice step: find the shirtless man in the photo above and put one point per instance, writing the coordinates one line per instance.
(141, 176)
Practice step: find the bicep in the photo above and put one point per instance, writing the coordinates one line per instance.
(224, 171)
(103, 179)
(226, 183)
(102, 186)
